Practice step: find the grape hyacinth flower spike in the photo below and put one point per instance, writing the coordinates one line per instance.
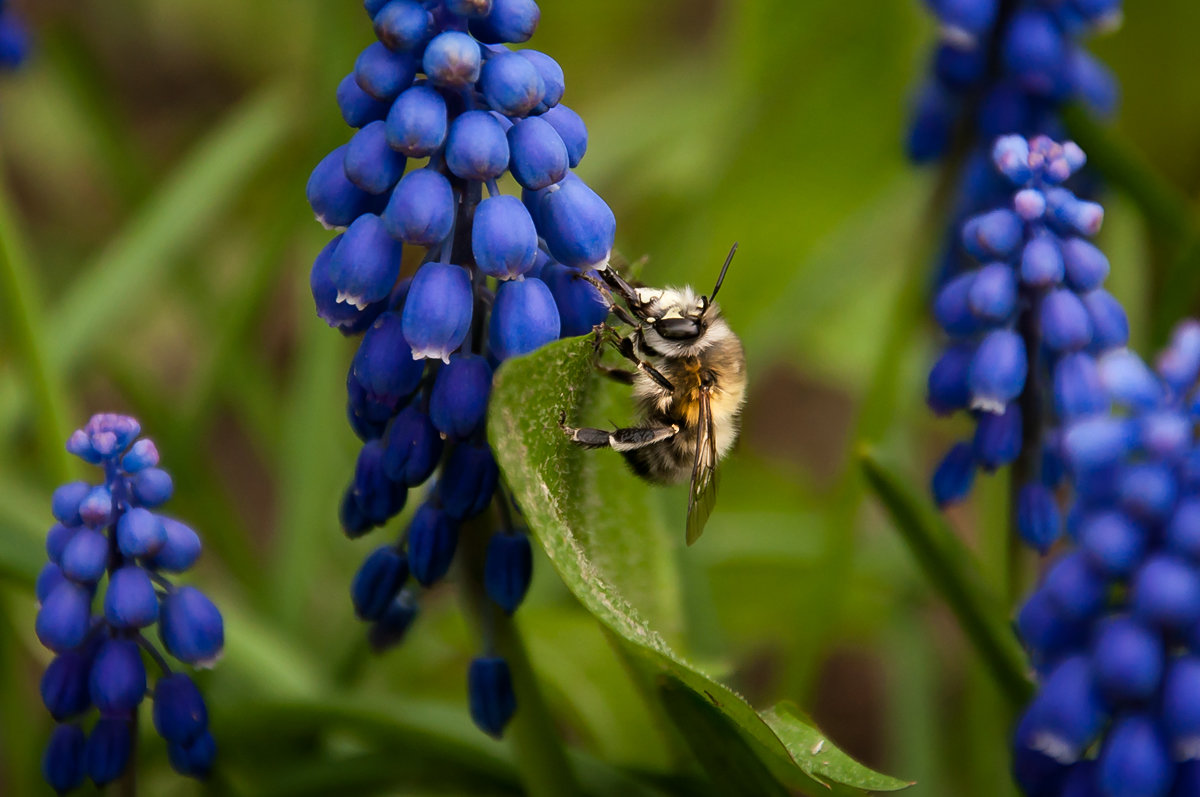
(99, 633)
(443, 110)
(1112, 629)
(1026, 326)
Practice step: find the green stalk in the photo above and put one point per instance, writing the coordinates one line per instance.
(22, 305)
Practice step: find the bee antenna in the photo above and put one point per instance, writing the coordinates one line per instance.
(724, 268)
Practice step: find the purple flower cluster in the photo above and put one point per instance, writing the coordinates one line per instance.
(108, 541)
(1031, 315)
(1007, 66)
(14, 38)
(1114, 627)
(443, 111)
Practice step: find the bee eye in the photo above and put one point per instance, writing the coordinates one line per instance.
(678, 328)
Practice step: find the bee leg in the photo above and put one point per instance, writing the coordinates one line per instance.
(625, 346)
(616, 374)
(620, 312)
(627, 439)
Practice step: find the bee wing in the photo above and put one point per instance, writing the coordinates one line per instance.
(703, 496)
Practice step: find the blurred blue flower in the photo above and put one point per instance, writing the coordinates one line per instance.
(108, 529)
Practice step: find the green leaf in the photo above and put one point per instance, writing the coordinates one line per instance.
(578, 505)
(954, 574)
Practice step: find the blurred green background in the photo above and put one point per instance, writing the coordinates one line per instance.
(155, 246)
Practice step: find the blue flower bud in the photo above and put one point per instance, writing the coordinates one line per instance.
(1147, 490)
(111, 432)
(416, 123)
(1179, 362)
(998, 437)
(384, 365)
(64, 504)
(1030, 204)
(1038, 774)
(80, 444)
(1010, 154)
(524, 318)
(1042, 262)
(932, 122)
(181, 549)
(194, 759)
(1112, 541)
(56, 540)
(468, 481)
(1092, 82)
(140, 533)
(571, 129)
(1064, 321)
(117, 682)
(992, 235)
(50, 576)
(334, 199)
(1128, 380)
(1166, 592)
(1067, 713)
(1134, 759)
(437, 313)
(413, 447)
(1097, 441)
(997, 373)
(952, 307)
(1127, 659)
(152, 487)
(508, 569)
(1072, 214)
(458, 401)
(108, 749)
(384, 73)
(1181, 707)
(965, 20)
(511, 84)
(452, 59)
(378, 581)
(1034, 51)
(1165, 434)
(391, 629)
(354, 520)
(97, 506)
(432, 539)
(366, 263)
(85, 556)
(421, 209)
(1182, 534)
(377, 496)
(957, 68)
(1047, 633)
(63, 762)
(373, 7)
(490, 694)
(577, 225)
(1075, 586)
(141, 455)
(64, 617)
(538, 156)
(191, 627)
(358, 107)
(1086, 266)
(130, 601)
(370, 163)
(64, 685)
(511, 21)
(551, 74)
(342, 316)
(403, 25)
(469, 8)
(954, 475)
(503, 238)
(580, 305)
(180, 714)
(1078, 389)
(476, 146)
(992, 296)
(1110, 326)
(1038, 518)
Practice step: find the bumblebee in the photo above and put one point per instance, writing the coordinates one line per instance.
(689, 386)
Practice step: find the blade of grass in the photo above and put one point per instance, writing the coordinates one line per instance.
(953, 573)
